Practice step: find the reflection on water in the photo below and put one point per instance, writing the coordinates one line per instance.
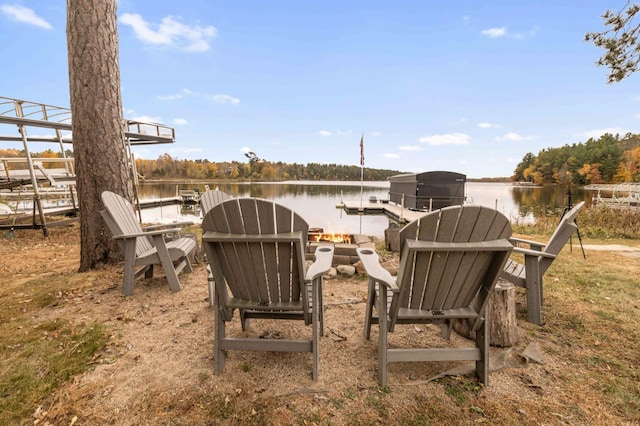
(316, 202)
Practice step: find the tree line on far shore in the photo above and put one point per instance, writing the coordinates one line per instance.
(165, 167)
(608, 159)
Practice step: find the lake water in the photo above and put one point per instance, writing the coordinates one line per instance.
(316, 201)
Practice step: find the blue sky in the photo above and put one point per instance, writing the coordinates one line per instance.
(467, 86)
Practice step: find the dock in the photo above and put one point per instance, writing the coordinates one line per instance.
(71, 213)
(398, 213)
(620, 194)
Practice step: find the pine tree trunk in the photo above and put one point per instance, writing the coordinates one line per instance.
(96, 108)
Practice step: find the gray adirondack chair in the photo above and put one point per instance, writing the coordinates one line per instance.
(142, 248)
(256, 250)
(538, 257)
(209, 200)
(450, 260)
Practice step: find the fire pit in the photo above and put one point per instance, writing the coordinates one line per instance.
(345, 245)
(316, 237)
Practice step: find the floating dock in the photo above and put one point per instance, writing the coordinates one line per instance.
(398, 213)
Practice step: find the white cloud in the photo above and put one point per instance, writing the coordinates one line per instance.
(531, 33)
(410, 148)
(495, 32)
(391, 156)
(225, 99)
(246, 149)
(169, 97)
(596, 133)
(180, 121)
(446, 139)
(170, 33)
(324, 133)
(147, 119)
(514, 137)
(24, 15)
(488, 125)
(215, 97)
(376, 134)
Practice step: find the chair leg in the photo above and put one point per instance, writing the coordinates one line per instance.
(167, 263)
(129, 272)
(371, 297)
(244, 321)
(315, 323)
(534, 290)
(187, 267)
(482, 343)
(149, 272)
(382, 336)
(219, 334)
(320, 306)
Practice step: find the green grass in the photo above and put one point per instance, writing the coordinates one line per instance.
(38, 357)
(38, 361)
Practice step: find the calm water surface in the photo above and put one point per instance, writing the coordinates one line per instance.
(316, 201)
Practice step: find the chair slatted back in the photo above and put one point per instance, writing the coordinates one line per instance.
(565, 229)
(440, 281)
(123, 220)
(211, 198)
(261, 257)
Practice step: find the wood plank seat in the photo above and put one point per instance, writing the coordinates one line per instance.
(256, 252)
(145, 248)
(538, 257)
(450, 260)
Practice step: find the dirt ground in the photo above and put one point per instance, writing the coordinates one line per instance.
(158, 365)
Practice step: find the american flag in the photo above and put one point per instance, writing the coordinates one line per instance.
(362, 150)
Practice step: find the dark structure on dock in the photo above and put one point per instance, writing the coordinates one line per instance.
(428, 190)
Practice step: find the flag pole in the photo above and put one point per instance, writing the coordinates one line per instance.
(361, 177)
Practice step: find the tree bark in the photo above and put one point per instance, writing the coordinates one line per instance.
(503, 325)
(98, 134)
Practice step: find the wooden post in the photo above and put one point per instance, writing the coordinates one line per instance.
(503, 325)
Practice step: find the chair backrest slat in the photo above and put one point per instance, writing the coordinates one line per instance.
(268, 269)
(212, 198)
(443, 280)
(123, 219)
(565, 229)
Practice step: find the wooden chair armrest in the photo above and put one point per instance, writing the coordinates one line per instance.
(493, 245)
(322, 264)
(164, 226)
(212, 236)
(534, 245)
(146, 234)
(534, 253)
(371, 263)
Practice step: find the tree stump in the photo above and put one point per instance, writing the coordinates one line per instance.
(503, 326)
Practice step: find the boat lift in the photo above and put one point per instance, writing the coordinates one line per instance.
(26, 115)
(620, 195)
